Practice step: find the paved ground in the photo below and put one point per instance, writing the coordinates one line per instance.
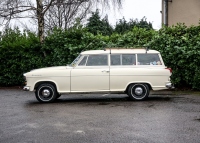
(96, 118)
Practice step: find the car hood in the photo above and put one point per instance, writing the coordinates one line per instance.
(52, 68)
(47, 71)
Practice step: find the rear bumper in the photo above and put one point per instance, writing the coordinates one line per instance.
(26, 88)
(169, 85)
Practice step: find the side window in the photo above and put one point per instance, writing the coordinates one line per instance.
(149, 59)
(97, 60)
(124, 59)
(128, 59)
(115, 60)
(83, 61)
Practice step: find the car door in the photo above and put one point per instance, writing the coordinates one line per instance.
(91, 74)
(121, 71)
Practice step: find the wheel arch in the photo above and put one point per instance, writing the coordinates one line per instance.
(45, 82)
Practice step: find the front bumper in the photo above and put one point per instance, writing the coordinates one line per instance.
(26, 88)
(169, 85)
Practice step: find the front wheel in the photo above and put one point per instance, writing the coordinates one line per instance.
(46, 93)
(138, 91)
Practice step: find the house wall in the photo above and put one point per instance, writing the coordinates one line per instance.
(182, 11)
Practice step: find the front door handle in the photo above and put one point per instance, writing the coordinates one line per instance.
(105, 71)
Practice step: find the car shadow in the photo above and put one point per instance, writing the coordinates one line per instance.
(102, 100)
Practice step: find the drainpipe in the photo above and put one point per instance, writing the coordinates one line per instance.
(166, 12)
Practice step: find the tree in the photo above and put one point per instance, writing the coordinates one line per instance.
(97, 25)
(123, 26)
(11, 9)
(64, 15)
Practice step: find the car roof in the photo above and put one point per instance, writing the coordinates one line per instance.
(119, 51)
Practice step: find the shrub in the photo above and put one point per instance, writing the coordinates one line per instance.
(21, 52)
(180, 48)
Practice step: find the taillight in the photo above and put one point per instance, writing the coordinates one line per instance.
(169, 69)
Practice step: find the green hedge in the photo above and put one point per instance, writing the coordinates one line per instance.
(18, 53)
(21, 52)
(180, 48)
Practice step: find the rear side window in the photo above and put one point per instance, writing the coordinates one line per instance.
(149, 59)
(115, 60)
(128, 59)
(123, 59)
(97, 60)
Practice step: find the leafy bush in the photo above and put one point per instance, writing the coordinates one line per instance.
(180, 48)
(62, 47)
(21, 52)
(137, 37)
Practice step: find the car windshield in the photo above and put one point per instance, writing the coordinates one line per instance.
(75, 61)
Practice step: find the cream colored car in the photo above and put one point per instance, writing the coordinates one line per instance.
(131, 71)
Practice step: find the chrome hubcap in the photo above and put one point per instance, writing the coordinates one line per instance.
(46, 93)
(138, 91)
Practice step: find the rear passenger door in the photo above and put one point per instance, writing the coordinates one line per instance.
(121, 68)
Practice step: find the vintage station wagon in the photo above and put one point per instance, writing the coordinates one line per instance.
(131, 71)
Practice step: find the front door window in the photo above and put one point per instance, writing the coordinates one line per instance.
(97, 60)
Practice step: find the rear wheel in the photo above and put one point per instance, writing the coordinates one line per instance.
(138, 91)
(46, 93)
